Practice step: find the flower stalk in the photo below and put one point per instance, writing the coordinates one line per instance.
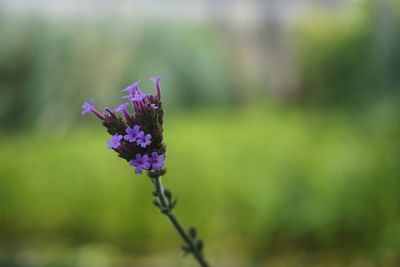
(165, 202)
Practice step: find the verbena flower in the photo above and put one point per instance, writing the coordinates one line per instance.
(134, 92)
(143, 140)
(88, 106)
(137, 96)
(141, 162)
(138, 133)
(132, 133)
(123, 107)
(115, 141)
(156, 161)
(138, 138)
(156, 81)
(131, 88)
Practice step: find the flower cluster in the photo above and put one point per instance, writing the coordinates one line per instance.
(136, 137)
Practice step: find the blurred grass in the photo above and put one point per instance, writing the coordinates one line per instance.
(254, 181)
(312, 181)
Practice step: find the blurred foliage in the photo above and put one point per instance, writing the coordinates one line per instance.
(350, 59)
(278, 180)
(47, 67)
(317, 182)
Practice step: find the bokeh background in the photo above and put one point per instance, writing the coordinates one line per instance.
(282, 126)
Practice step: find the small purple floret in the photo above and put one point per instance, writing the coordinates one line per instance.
(123, 107)
(132, 133)
(131, 88)
(134, 92)
(157, 161)
(156, 81)
(141, 162)
(88, 106)
(115, 141)
(137, 96)
(153, 106)
(143, 140)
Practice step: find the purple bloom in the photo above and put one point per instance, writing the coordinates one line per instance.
(140, 163)
(143, 140)
(131, 88)
(136, 137)
(88, 106)
(115, 141)
(157, 161)
(132, 133)
(134, 92)
(122, 107)
(137, 96)
(156, 81)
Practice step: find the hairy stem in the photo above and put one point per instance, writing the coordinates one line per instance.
(166, 205)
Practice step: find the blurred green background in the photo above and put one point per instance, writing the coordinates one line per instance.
(282, 126)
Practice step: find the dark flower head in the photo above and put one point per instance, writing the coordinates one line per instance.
(137, 137)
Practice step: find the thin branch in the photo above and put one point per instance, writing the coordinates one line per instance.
(166, 203)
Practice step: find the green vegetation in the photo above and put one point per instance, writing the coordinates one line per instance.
(254, 181)
(283, 139)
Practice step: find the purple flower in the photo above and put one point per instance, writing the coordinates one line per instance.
(156, 81)
(157, 161)
(115, 141)
(88, 106)
(137, 96)
(131, 88)
(143, 140)
(132, 133)
(140, 163)
(134, 92)
(136, 136)
(122, 107)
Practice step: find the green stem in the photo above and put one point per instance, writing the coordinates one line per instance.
(166, 209)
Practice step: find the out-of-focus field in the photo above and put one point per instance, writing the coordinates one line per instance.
(264, 186)
(282, 128)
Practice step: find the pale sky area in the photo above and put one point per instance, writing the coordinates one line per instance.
(199, 10)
